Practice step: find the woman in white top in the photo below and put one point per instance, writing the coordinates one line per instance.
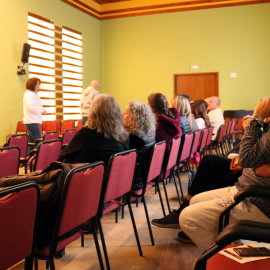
(199, 111)
(32, 109)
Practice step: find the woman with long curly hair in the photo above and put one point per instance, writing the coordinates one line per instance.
(168, 119)
(102, 136)
(141, 125)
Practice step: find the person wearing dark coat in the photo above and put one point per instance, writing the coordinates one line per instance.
(141, 126)
(168, 119)
(103, 135)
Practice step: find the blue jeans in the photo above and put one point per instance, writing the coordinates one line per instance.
(33, 132)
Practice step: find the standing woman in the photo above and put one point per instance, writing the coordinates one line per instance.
(168, 119)
(199, 111)
(32, 109)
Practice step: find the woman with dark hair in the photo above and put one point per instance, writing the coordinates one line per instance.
(32, 109)
(102, 136)
(141, 125)
(168, 119)
(199, 111)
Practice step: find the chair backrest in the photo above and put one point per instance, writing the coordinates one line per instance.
(21, 127)
(227, 119)
(79, 125)
(186, 147)
(51, 135)
(240, 124)
(119, 175)
(221, 133)
(68, 134)
(209, 137)
(20, 141)
(233, 126)
(9, 161)
(51, 126)
(80, 196)
(18, 210)
(47, 152)
(156, 160)
(228, 130)
(173, 154)
(67, 124)
(195, 143)
(204, 138)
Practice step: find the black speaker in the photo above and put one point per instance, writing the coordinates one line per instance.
(25, 52)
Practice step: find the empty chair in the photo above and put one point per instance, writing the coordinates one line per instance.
(117, 183)
(21, 141)
(155, 166)
(9, 161)
(79, 203)
(49, 126)
(51, 135)
(20, 129)
(18, 208)
(68, 135)
(46, 152)
(67, 124)
(209, 138)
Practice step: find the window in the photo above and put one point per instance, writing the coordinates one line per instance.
(56, 58)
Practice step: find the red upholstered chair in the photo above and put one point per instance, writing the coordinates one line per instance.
(79, 203)
(195, 147)
(9, 161)
(67, 124)
(118, 182)
(46, 152)
(67, 136)
(50, 135)
(20, 129)
(18, 208)
(203, 140)
(209, 138)
(239, 128)
(21, 141)
(241, 229)
(155, 166)
(168, 169)
(49, 126)
(230, 136)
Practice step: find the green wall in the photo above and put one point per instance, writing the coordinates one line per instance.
(13, 29)
(141, 54)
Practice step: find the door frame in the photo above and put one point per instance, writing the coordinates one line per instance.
(192, 74)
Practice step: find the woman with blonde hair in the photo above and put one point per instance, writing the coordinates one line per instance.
(183, 107)
(141, 125)
(102, 136)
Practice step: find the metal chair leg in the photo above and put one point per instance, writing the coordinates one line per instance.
(148, 222)
(97, 247)
(160, 198)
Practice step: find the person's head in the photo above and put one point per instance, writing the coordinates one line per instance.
(33, 84)
(139, 118)
(106, 116)
(95, 84)
(181, 104)
(199, 110)
(185, 96)
(213, 103)
(159, 104)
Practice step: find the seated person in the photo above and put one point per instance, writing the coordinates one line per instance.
(213, 172)
(102, 136)
(198, 109)
(183, 107)
(141, 125)
(199, 221)
(168, 119)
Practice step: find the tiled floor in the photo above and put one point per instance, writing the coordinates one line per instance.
(121, 244)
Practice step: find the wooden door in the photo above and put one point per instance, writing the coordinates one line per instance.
(197, 85)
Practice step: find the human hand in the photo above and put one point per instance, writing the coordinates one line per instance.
(263, 171)
(262, 109)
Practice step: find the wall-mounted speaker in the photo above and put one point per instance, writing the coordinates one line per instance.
(25, 52)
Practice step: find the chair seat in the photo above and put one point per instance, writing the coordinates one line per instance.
(219, 262)
(61, 244)
(139, 191)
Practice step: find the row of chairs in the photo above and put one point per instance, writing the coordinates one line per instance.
(49, 126)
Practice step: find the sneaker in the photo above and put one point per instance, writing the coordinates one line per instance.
(182, 237)
(170, 221)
